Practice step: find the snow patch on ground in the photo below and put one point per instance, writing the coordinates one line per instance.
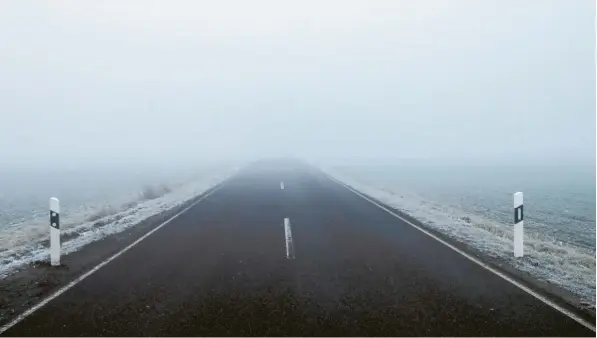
(546, 258)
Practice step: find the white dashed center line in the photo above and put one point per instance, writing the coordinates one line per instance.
(288, 237)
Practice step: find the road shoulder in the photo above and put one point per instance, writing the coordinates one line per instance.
(554, 293)
(32, 283)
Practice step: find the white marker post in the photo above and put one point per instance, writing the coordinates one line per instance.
(518, 225)
(54, 231)
(288, 237)
(282, 185)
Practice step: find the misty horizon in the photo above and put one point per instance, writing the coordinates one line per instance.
(119, 83)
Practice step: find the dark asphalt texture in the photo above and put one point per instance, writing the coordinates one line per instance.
(220, 269)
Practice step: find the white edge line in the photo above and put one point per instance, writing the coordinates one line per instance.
(65, 288)
(528, 290)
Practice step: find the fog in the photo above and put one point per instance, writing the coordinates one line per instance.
(86, 83)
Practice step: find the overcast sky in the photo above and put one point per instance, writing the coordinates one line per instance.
(141, 81)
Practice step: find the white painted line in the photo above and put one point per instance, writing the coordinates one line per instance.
(99, 266)
(533, 293)
(282, 185)
(288, 238)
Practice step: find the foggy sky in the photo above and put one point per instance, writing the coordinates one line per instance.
(124, 82)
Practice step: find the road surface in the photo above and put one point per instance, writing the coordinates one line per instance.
(221, 268)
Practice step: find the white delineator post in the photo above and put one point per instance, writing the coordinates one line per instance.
(54, 231)
(518, 225)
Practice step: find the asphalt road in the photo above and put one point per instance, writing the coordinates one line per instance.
(221, 269)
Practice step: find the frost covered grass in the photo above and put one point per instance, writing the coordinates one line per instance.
(27, 242)
(546, 258)
(148, 192)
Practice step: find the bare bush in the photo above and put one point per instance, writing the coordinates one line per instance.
(129, 205)
(150, 192)
(101, 213)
